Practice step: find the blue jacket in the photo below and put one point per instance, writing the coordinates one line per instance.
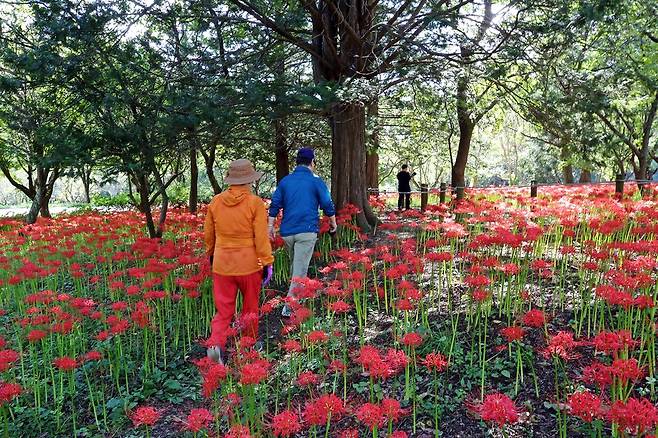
(299, 195)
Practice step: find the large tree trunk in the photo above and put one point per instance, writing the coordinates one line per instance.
(372, 171)
(348, 164)
(194, 180)
(372, 156)
(281, 149)
(33, 213)
(567, 167)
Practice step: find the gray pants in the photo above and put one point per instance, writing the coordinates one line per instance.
(300, 248)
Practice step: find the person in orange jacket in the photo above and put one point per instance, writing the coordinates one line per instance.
(239, 249)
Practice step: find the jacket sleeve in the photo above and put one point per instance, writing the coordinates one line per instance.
(326, 203)
(209, 232)
(261, 237)
(277, 201)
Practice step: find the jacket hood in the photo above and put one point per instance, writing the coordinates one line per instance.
(234, 195)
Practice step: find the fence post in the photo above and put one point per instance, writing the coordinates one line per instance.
(533, 189)
(619, 185)
(424, 194)
(442, 193)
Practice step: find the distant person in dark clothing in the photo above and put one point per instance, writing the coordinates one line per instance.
(404, 188)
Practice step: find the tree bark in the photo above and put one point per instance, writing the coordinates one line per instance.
(209, 160)
(194, 179)
(466, 127)
(85, 175)
(281, 149)
(348, 182)
(372, 155)
(585, 176)
(567, 167)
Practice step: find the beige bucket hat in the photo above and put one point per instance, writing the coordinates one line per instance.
(241, 172)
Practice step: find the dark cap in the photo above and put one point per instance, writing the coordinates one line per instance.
(306, 154)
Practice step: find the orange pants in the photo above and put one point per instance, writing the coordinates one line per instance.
(225, 291)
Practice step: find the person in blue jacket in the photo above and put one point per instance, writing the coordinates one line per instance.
(300, 194)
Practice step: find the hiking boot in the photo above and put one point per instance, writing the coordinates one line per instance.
(216, 354)
(286, 312)
(259, 346)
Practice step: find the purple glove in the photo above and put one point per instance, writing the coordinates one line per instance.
(267, 275)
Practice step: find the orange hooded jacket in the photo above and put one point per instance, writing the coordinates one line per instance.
(235, 232)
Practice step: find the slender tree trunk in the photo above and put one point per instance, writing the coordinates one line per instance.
(209, 160)
(281, 149)
(86, 183)
(348, 164)
(466, 127)
(194, 180)
(142, 186)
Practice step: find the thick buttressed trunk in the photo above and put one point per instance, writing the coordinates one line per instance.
(372, 156)
(585, 176)
(281, 149)
(348, 163)
(194, 181)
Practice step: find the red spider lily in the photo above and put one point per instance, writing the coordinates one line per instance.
(36, 335)
(145, 416)
(398, 434)
(412, 339)
(599, 374)
(7, 359)
(285, 424)
(9, 391)
(435, 362)
(65, 363)
(370, 414)
(534, 318)
(337, 366)
(585, 406)
(292, 346)
(212, 373)
(253, 373)
(348, 433)
(238, 431)
(561, 345)
(308, 378)
(317, 412)
(317, 336)
(626, 369)
(391, 409)
(92, 356)
(512, 333)
(498, 408)
(339, 306)
(198, 419)
(636, 416)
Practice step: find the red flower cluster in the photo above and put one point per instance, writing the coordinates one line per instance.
(498, 408)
